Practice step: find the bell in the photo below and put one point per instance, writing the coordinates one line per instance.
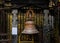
(29, 28)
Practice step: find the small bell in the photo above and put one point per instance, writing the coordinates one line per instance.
(30, 28)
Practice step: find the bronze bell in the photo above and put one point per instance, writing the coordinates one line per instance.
(29, 28)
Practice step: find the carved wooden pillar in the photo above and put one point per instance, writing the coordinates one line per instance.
(14, 26)
(46, 27)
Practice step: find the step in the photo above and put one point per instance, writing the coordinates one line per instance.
(4, 40)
